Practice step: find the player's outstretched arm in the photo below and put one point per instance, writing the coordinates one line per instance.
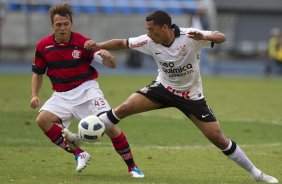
(213, 36)
(114, 44)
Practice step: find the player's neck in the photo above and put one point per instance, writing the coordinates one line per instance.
(62, 39)
(169, 38)
(58, 40)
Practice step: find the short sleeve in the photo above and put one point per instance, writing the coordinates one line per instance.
(39, 65)
(140, 43)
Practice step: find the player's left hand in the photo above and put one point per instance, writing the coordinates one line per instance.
(108, 59)
(34, 102)
(196, 35)
(104, 54)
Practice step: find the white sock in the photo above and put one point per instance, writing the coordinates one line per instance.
(242, 160)
(108, 123)
(255, 172)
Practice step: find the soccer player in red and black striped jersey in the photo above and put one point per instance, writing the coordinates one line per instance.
(63, 58)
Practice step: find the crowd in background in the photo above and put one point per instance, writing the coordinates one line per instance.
(243, 53)
(275, 53)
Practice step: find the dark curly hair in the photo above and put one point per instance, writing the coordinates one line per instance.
(160, 18)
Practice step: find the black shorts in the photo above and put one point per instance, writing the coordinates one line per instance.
(158, 93)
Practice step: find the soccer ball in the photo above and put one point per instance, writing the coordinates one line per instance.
(91, 129)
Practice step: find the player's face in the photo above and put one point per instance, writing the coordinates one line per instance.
(62, 28)
(155, 32)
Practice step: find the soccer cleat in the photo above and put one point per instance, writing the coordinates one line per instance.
(136, 173)
(266, 178)
(82, 160)
(72, 138)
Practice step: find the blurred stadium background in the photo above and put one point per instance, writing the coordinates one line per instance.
(246, 23)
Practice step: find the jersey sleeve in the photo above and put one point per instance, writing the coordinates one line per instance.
(140, 43)
(39, 65)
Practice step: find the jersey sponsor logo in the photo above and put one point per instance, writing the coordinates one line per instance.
(184, 95)
(179, 71)
(76, 54)
(140, 44)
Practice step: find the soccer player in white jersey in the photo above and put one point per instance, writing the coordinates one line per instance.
(178, 84)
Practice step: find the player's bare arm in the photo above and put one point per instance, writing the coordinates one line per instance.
(108, 59)
(114, 44)
(214, 36)
(36, 83)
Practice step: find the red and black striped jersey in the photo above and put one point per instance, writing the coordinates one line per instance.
(66, 64)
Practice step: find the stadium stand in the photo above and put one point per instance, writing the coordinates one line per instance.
(108, 6)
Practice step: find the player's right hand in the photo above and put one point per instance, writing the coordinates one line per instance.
(90, 45)
(34, 102)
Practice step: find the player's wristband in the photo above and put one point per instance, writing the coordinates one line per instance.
(98, 58)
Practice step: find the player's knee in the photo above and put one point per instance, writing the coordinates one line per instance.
(39, 120)
(43, 122)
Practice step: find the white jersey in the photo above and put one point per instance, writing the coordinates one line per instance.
(178, 65)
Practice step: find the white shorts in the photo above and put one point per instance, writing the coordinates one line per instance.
(84, 100)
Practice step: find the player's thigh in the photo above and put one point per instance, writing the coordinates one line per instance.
(212, 131)
(136, 103)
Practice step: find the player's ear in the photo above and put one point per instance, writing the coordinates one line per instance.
(71, 23)
(52, 25)
(165, 27)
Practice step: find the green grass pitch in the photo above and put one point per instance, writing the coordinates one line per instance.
(166, 146)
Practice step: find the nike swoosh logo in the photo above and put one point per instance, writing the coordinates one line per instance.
(203, 116)
(157, 53)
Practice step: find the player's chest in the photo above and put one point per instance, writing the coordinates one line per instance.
(176, 51)
(63, 53)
